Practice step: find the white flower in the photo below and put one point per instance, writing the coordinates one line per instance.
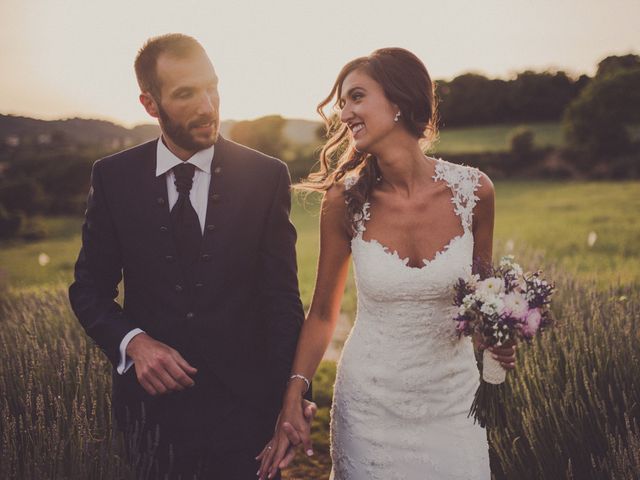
(488, 309)
(469, 300)
(516, 305)
(473, 280)
(489, 287)
(516, 269)
(506, 260)
(462, 309)
(44, 259)
(492, 306)
(591, 238)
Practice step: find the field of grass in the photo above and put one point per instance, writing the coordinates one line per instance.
(574, 398)
(573, 405)
(553, 218)
(494, 138)
(556, 219)
(19, 261)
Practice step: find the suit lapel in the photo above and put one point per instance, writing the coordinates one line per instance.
(219, 217)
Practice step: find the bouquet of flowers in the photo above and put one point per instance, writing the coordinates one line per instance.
(505, 307)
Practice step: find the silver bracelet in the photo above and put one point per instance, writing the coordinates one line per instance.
(301, 377)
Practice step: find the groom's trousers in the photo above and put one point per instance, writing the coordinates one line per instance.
(201, 432)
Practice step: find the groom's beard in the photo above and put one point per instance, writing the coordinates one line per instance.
(182, 136)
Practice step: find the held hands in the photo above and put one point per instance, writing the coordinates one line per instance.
(292, 429)
(160, 369)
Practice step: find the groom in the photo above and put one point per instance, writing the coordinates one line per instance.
(198, 227)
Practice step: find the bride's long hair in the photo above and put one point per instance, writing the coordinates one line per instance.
(406, 83)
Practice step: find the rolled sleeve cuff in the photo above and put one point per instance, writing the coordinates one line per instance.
(125, 361)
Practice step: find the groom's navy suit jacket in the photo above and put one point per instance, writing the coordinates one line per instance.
(236, 313)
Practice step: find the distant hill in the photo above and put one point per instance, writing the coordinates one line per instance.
(302, 131)
(296, 130)
(16, 130)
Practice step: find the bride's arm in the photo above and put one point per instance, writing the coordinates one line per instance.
(333, 266)
(317, 330)
(483, 219)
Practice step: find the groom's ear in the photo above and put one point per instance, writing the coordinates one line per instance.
(149, 104)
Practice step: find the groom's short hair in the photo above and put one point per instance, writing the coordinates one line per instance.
(175, 44)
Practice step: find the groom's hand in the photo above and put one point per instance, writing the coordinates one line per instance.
(160, 369)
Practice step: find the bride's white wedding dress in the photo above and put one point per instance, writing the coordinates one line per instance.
(405, 382)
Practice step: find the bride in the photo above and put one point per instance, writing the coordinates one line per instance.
(414, 225)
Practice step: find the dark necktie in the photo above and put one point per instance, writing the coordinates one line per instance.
(184, 219)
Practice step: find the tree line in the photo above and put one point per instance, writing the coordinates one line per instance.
(473, 99)
(49, 174)
(600, 118)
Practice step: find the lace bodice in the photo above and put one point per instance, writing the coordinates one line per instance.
(405, 381)
(462, 181)
(384, 279)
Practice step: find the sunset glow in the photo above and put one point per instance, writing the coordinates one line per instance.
(72, 58)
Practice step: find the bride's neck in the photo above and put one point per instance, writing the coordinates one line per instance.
(404, 168)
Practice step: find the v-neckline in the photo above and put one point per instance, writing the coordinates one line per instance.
(394, 253)
(405, 261)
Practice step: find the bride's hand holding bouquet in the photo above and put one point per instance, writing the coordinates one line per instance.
(506, 307)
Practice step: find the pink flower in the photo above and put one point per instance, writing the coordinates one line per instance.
(515, 304)
(531, 322)
(462, 325)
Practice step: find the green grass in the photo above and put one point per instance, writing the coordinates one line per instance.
(556, 219)
(553, 218)
(305, 216)
(494, 138)
(19, 265)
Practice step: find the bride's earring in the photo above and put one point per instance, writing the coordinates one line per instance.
(397, 117)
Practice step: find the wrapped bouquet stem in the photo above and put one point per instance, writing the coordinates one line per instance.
(500, 310)
(492, 371)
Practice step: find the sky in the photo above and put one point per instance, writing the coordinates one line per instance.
(66, 58)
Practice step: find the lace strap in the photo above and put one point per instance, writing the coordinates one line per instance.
(463, 182)
(350, 181)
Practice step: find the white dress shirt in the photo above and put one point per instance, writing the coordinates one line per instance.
(165, 161)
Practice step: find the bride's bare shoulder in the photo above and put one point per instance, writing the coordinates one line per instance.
(486, 190)
(334, 208)
(484, 210)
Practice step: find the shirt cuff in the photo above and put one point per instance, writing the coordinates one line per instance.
(125, 360)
